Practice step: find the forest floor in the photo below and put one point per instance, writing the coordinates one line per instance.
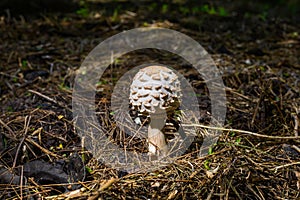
(257, 155)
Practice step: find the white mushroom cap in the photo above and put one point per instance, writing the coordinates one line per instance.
(155, 87)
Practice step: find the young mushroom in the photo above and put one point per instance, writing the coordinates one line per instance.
(155, 92)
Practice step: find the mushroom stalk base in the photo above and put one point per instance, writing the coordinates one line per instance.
(156, 138)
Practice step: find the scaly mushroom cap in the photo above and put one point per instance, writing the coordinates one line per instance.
(155, 87)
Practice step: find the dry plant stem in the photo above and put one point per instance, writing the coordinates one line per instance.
(210, 194)
(44, 96)
(286, 165)
(296, 124)
(238, 94)
(256, 108)
(21, 182)
(246, 132)
(103, 187)
(107, 184)
(296, 148)
(50, 99)
(12, 134)
(46, 151)
(26, 125)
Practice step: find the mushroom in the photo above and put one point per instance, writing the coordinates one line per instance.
(155, 92)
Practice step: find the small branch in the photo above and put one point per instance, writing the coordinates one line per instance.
(296, 119)
(44, 96)
(50, 99)
(107, 184)
(46, 151)
(238, 94)
(167, 180)
(286, 165)
(246, 132)
(256, 108)
(296, 124)
(12, 136)
(103, 187)
(21, 182)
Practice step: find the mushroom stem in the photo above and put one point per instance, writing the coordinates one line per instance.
(156, 138)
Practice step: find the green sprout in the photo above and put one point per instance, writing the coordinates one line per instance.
(222, 12)
(232, 134)
(62, 86)
(84, 12)
(24, 64)
(210, 151)
(238, 140)
(10, 109)
(145, 24)
(116, 14)
(164, 8)
(84, 9)
(15, 79)
(152, 7)
(209, 10)
(88, 169)
(206, 164)
(184, 10)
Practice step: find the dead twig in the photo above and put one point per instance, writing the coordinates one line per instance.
(103, 187)
(296, 119)
(50, 99)
(257, 107)
(44, 96)
(12, 134)
(286, 165)
(46, 151)
(246, 132)
(296, 124)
